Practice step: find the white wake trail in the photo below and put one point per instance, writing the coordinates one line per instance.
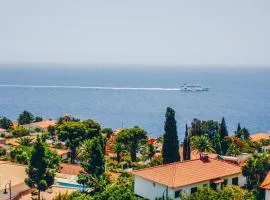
(86, 87)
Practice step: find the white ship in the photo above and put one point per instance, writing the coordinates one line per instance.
(193, 88)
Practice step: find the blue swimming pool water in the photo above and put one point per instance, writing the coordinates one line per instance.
(70, 185)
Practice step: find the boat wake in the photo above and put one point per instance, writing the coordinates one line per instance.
(93, 88)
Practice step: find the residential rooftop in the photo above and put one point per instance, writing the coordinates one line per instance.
(185, 173)
(45, 123)
(257, 137)
(266, 183)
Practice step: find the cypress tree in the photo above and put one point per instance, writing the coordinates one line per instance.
(217, 143)
(170, 150)
(186, 146)
(223, 129)
(245, 133)
(238, 132)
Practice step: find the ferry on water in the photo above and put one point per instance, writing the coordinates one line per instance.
(193, 88)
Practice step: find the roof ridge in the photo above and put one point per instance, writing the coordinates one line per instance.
(225, 162)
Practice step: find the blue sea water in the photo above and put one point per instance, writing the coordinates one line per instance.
(240, 95)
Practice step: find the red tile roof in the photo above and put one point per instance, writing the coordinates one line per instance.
(266, 183)
(70, 169)
(259, 136)
(45, 123)
(180, 174)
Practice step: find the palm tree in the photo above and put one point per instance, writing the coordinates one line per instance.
(84, 150)
(25, 141)
(99, 182)
(201, 144)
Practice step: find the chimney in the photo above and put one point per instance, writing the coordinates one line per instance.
(204, 157)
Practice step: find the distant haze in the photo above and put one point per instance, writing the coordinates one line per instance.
(148, 32)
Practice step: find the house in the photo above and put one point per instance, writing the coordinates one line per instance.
(257, 137)
(266, 186)
(4, 132)
(186, 177)
(42, 125)
(63, 153)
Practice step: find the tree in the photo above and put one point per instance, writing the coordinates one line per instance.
(186, 146)
(131, 139)
(233, 150)
(223, 129)
(107, 131)
(201, 144)
(25, 141)
(52, 133)
(26, 118)
(74, 133)
(256, 169)
(170, 149)
(38, 119)
(238, 132)
(5, 123)
(217, 143)
(83, 179)
(40, 176)
(91, 154)
(67, 118)
(147, 151)
(19, 131)
(245, 133)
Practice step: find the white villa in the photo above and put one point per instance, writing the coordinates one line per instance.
(186, 177)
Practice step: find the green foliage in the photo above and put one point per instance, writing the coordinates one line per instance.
(147, 151)
(223, 136)
(170, 149)
(201, 144)
(38, 119)
(227, 193)
(107, 131)
(5, 123)
(74, 133)
(44, 136)
(26, 118)
(91, 154)
(25, 141)
(66, 118)
(256, 168)
(2, 152)
(20, 154)
(83, 179)
(241, 132)
(20, 132)
(40, 175)
(156, 161)
(217, 143)
(265, 142)
(131, 139)
(186, 145)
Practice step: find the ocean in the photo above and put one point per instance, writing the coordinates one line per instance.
(127, 96)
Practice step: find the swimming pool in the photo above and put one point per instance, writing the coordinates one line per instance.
(71, 185)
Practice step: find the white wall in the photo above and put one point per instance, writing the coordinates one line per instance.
(151, 190)
(267, 194)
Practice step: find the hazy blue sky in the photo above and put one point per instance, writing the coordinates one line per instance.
(202, 32)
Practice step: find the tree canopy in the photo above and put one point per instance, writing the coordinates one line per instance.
(131, 139)
(26, 118)
(5, 123)
(170, 149)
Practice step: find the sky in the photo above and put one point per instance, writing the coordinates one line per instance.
(150, 32)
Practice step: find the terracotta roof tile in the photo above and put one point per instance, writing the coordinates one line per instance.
(266, 183)
(45, 123)
(259, 136)
(70, 169)
(180, 174)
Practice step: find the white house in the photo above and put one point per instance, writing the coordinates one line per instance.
(266, 186)
(186, 177)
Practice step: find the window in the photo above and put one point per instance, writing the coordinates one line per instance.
(177, 193)
(224, 184)
(235, 181)
(193, 190)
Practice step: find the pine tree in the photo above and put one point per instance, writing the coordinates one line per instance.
(170, 150)
(186, 146)
(238, 132)
(39, 174)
